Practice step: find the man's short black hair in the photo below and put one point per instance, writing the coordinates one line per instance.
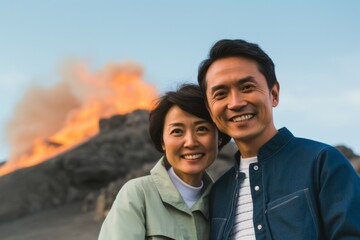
(238, 48)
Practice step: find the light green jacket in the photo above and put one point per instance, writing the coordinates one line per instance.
(150, 207)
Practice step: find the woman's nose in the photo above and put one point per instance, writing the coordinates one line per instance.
(190, 140)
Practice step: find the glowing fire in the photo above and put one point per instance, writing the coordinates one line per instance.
(118, 89)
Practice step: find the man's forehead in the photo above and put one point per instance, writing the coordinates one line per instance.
(230, 64)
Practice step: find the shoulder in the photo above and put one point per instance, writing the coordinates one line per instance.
(315, 149)
(137, 184)
(325, 156)
(135, 188)
(291, 142)
(310, 144)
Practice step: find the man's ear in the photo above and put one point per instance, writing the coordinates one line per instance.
(275, 92)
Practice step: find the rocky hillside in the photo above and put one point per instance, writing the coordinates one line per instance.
(122, 145)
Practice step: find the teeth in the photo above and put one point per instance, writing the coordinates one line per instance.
(242, 118)
(194, 156)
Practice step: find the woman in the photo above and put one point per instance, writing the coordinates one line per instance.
(172, 202)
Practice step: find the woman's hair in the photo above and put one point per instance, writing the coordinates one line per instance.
(190, 99)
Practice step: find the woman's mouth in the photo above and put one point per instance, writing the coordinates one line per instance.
(193, 156)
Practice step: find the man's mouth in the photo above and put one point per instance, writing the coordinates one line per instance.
(242, 118)
(193, 156)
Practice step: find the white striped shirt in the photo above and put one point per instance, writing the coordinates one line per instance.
(243, 226)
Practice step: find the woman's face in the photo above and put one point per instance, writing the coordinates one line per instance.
(190, 144)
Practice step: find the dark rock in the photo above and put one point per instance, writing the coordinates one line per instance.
(349, 154)
(30, 190)
(122, 145)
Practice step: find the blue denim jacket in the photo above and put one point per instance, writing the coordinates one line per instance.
(301, 189)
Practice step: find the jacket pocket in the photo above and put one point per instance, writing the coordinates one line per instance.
(292, 217)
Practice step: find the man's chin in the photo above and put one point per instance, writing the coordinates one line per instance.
(243, 137)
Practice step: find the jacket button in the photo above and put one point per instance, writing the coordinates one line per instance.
(257, 188)
(259, 227)
(256, 167)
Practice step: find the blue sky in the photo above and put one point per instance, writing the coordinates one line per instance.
(315, 46)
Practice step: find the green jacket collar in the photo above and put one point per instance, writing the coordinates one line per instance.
(170, 194)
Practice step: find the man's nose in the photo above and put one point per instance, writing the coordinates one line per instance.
(236, 101)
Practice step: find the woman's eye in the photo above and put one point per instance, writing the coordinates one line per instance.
(202, 129)
(176, 131)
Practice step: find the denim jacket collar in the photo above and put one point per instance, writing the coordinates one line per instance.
(274, 145)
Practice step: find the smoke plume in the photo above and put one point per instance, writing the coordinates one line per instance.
(71, 109)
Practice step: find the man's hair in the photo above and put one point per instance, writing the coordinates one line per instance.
(187, 97)
(238, 48)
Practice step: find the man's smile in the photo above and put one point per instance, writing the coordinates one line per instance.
(242, 117)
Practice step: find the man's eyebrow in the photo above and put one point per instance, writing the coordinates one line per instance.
(238, 82)
(245, 80)
(217, 87)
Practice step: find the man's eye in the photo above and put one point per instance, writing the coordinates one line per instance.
(219, 94)
(248, 87)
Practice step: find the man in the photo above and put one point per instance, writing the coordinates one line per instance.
(282, 187)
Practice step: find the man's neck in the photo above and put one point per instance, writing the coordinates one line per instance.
(250, 147)
(246, 150)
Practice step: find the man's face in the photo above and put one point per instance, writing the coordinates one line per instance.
(240, 101)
